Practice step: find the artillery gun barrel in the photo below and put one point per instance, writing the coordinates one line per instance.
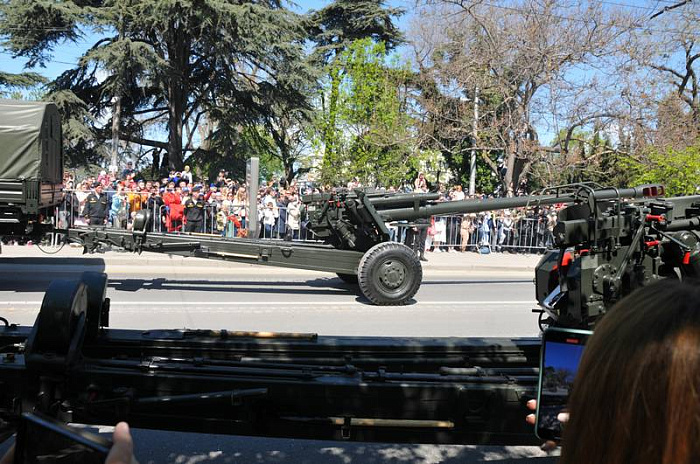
(493, 204)
(470, 206)
(403, 200)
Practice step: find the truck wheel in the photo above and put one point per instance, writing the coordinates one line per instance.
(348, 278)
(389, 274)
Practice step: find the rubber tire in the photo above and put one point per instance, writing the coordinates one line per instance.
(381, 255)
(64, 302)
(348, 278)
(96, 285)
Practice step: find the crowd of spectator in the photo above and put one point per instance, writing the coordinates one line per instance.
(180, 203)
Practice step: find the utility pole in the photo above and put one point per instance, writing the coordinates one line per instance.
(472, 163)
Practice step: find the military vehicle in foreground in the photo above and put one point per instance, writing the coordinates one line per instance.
(31, 168)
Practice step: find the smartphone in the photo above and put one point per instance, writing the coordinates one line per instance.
(42, 439)
(559, 361)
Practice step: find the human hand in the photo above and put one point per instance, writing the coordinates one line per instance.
(122, 451)
(563, 417)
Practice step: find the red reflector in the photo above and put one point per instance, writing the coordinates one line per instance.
(567, 259)
(573, 341)
(652, 243)
(686, 258)
(656, 217)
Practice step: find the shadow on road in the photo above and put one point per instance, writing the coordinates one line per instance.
(224, 449)
(95, 264)
(476, 282)
(328, 286)
(156, 447)
(317, 286)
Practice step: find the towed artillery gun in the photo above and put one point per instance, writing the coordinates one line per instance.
(354, 240)
(351, 228)
(71, 365)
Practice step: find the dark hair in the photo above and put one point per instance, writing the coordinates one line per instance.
(637, 393)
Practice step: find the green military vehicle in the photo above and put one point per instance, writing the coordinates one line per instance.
(31, 168)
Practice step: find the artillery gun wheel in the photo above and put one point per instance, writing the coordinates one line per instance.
(389, 274)
(348, 278)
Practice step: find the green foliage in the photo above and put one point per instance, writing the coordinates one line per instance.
(678, 170)
(587, 157)
(370, 129)
(14, 82)
(335, 27)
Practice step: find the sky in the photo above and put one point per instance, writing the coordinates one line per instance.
(65, 56)
(563, 356)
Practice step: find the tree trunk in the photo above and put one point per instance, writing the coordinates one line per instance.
(329, 136)
(116, 123)
(176, 110)
(178, 51)
(508, 178)
(289, 173)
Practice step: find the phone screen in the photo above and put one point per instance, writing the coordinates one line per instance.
(561, 354)
(44, 440)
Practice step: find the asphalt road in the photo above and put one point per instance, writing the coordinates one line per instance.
(450, 302)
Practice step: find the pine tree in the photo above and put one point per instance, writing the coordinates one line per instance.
(172, 62)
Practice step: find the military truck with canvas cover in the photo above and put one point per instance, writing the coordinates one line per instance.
(31, 167)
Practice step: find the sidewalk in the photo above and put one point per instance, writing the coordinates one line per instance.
(24, 257)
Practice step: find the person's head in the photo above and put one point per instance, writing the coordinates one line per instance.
(187, 169)
(129, 164)
(97, 186)
(636, 396)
